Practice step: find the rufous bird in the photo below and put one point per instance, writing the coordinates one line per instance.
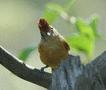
(52, 48)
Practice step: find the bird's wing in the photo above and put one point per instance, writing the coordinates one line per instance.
(66, 45)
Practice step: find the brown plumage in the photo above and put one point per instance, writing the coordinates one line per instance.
(52, 48)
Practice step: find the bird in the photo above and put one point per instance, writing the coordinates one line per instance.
(52, 48)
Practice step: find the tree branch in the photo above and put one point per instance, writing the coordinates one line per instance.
(72, 75)
(23, 71)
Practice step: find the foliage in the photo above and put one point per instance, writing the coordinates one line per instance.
(84, 39)
(53, 11)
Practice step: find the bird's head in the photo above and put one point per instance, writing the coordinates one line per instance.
(45, 29)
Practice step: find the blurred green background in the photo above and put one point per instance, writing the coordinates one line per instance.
(18, 30)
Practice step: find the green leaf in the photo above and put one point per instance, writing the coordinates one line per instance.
(84, 39)
(81, 43)
(25, 53)
(52, 11)
(84, 28)
(94, 24)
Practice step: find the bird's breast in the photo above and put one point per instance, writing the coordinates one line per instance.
(52, 52)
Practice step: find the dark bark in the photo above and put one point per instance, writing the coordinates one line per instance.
(72, 75)
(23, 71)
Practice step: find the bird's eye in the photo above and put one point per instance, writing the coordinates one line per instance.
(48, 33)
